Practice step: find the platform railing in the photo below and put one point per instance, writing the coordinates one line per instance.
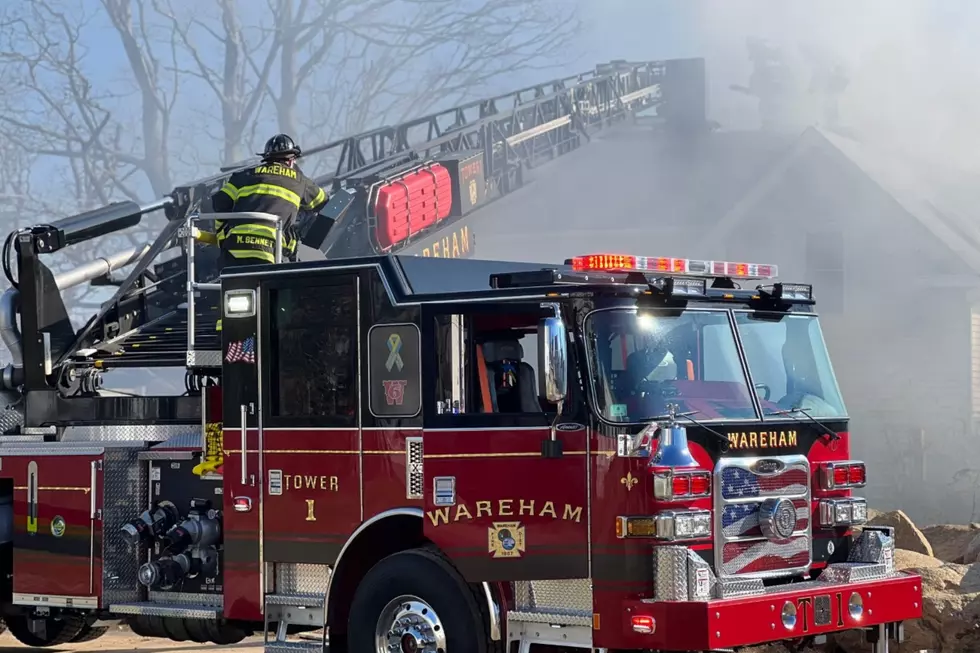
(192, 233)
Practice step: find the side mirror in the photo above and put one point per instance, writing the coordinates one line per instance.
(552, 360)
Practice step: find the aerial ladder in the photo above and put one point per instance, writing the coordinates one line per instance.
(163, 314)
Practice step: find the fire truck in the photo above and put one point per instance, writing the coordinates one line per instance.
(399, 447)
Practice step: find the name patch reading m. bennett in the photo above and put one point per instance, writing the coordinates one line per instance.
(504, 508)
(762, 439)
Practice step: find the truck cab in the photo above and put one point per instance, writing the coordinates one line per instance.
(580, 455)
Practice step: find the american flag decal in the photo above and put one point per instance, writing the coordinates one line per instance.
(241, 351)
(742, 549)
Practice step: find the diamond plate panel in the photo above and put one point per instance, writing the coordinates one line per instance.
(568, 597)
(875, 545)
(821, 610)
(414, 477)
(203, 358)
(301, 579)
(11, 420)
(138, 433)
(852, 572)
(187, 598)
(701, 580)
(550, 618)
(731, 587)
(190, 438)
(188, 611)
(670, 573)
(124, 495)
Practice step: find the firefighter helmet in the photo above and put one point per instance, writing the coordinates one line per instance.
(280, 146)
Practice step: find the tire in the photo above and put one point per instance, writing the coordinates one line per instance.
(175, 629)
(422, 585)
(198, 630)
(225, 633)
(56, 631)
(148, 626)
(89, 633)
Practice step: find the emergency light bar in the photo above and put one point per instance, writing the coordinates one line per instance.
(678, 266)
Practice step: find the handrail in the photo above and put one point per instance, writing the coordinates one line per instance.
(189, 233)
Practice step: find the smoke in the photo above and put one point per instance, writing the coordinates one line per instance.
(911, 83)
(895, 88)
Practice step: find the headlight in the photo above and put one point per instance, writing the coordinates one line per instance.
(843, 512)
(684, 525)
(239, 303)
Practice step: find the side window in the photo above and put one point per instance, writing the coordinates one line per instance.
(487, 367)
(313, 351)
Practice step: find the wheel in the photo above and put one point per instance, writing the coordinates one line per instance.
(89, 633)
(416, 601)
(50, 631)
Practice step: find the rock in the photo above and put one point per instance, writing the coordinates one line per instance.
(912, 560)
(971, 552)
(950, 609)
(907, 535)
(950, 541)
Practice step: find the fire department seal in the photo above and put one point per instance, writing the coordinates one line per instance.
(474, 193)
(58, 526)
(506, 539)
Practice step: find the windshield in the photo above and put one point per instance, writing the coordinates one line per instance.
(641, 363)
(789, 364)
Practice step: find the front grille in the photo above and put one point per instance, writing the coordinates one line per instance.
(741, 487)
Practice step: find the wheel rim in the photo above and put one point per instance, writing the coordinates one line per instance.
(409, 625)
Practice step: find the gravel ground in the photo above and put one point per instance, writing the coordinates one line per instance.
(123, 639)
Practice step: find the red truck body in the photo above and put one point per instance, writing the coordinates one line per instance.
(395, 421)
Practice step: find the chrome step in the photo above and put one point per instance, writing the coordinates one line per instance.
(296, 647)
(297, 600)
(287, 610)
(179, 610)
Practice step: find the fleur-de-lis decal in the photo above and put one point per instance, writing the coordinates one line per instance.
(629, 481)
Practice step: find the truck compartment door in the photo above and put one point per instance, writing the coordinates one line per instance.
(241, 414)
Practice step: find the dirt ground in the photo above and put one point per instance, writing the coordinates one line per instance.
(120, 640)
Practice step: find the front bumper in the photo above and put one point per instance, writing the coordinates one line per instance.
(692, 609)
(818, 608)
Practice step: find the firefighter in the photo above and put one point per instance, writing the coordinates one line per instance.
(276, 186)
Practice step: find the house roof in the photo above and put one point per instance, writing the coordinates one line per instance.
(945, 201)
